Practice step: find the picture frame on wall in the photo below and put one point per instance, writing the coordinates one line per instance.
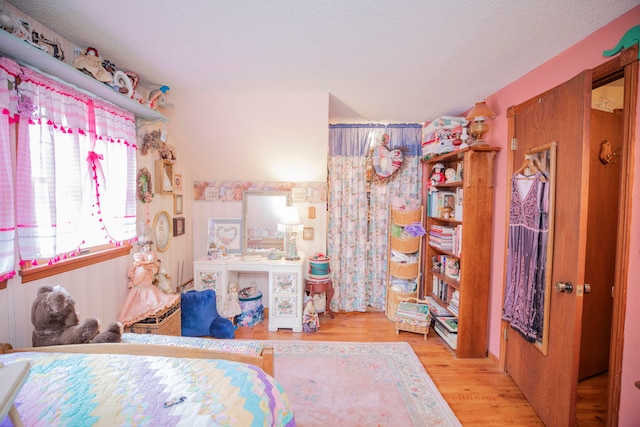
(177, 204)
(307, 233)
(179, 227)
(225, 232)
(177, 182)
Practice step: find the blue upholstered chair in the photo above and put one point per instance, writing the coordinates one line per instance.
(200, 316)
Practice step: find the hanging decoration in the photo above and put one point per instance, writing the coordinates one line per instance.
(156, 140)
(145, 192)
(386, 162)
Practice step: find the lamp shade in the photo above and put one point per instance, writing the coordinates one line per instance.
(289, 219)
(480, 112)
(290, 216)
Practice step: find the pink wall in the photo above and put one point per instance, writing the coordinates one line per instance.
(584, 55)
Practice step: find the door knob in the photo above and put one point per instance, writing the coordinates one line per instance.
(564, 287)
(587, 288)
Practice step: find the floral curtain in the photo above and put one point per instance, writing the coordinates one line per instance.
(358, 229)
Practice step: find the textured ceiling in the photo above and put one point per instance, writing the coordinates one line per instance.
(403, 60)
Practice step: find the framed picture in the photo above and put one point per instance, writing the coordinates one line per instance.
(211, 193)
(307, 233)
(177, 204)
(178, 226)
(225, 232)
(162, 230)
(177, 182)
(298, 194)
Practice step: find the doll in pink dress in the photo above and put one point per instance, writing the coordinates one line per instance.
(144, 298)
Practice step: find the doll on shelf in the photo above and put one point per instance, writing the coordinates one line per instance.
(144, 298)
(437, 174)
(232, 307)
(310, 319)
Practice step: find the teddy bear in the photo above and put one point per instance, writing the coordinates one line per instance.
(56, 322)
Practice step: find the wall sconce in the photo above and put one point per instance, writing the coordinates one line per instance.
(478, 115)
(290, 223)
(312, 212)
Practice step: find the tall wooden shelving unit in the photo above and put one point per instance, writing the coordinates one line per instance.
(476, 181)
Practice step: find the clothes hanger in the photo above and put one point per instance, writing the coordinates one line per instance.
(530, 167)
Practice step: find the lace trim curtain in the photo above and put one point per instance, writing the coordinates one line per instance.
(357, 234)
(7, 202)
(71, 149)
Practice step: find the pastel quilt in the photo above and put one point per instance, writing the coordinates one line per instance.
(124, 390)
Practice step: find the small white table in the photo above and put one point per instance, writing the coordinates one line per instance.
(12, 377)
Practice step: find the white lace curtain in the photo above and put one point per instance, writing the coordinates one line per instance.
(75, 162)
(358, 233)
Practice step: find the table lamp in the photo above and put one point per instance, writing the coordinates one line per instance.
(290, 223)
(478, 115)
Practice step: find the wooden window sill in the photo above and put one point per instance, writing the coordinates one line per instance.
(41, 271)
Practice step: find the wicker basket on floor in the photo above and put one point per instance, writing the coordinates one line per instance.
(393, 300)
(165, 322)
(412, 325)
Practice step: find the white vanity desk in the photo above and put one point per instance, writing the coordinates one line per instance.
(286, 284)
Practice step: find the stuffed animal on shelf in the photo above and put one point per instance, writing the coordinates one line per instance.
(56, 321)
(310, 319)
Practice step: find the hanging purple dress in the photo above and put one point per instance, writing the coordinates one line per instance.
(527, 256)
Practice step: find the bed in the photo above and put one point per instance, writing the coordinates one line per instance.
(130, 383)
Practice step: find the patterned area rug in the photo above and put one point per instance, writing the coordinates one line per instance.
(359, 384)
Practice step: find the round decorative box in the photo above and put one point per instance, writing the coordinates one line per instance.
(319, 266)
(252, 310)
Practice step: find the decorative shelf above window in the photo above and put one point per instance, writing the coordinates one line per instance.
(17, 49)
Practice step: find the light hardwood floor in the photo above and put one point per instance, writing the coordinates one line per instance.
(477, 392)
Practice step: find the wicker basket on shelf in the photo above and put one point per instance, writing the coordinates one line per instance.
(405, 245)
(403, 270)
(404, 218)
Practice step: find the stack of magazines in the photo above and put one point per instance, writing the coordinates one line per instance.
(412, 310)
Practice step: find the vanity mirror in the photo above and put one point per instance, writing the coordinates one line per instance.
(261, 213)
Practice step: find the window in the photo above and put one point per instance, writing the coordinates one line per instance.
(75, 169)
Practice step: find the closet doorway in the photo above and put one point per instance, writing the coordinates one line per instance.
(564, 114)
(605, 169)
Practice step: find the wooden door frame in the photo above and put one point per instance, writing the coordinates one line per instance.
(624, 65)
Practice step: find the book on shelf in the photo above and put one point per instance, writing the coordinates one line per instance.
(437, 310)
(450, 338)
(413, 310)
(457, 212)
(439, 200)
(453, 309)
(450, 323)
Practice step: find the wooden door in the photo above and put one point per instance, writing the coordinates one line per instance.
(602, 227)
(550, 381)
